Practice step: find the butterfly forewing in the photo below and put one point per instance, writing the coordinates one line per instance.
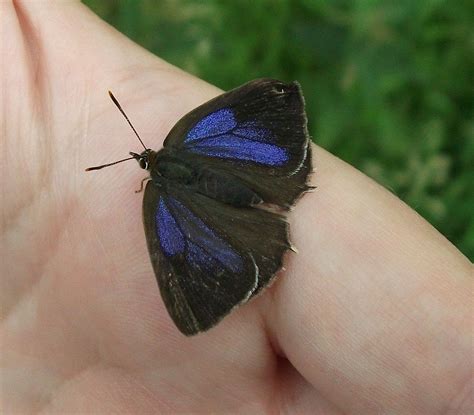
(257, 133)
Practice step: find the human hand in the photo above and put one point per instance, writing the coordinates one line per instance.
(372, 316)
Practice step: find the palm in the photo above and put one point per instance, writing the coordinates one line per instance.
(84, 324)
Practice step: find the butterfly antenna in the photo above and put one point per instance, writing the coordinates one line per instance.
(125, 115)
(108, 164)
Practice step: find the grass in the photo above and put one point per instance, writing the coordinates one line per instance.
(386, 82)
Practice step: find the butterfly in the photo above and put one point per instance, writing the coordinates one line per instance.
(215, 201)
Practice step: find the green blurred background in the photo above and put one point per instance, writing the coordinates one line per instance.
(386, 82)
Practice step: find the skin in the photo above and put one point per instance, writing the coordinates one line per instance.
(372, 316)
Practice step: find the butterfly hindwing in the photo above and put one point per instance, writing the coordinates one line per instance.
(261, 233)
(200, 274)
(209, 257)
(257, 133)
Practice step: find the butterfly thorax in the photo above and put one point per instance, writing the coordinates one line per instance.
(166, 169)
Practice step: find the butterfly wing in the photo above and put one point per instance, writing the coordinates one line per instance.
(209, 257)
(256, 133)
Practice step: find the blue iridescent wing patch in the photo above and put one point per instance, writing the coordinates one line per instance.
(217, 123)
(220, 135)
(174, 225)
(171, 237)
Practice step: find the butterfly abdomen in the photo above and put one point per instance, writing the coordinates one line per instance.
(225, 188)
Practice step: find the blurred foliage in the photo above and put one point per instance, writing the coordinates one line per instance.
(386, 82)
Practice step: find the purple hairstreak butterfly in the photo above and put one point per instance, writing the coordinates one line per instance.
(216, 197)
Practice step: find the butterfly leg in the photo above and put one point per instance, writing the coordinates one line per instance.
(141, 184)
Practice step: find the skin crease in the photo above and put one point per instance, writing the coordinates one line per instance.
(372, 316)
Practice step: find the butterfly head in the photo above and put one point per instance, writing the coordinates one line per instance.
(145, 158)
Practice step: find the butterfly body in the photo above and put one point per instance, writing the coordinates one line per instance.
(214, 242)
(168, 169)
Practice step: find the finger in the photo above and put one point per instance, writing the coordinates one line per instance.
(375, 309)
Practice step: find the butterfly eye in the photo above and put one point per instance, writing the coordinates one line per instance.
(143, 163)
